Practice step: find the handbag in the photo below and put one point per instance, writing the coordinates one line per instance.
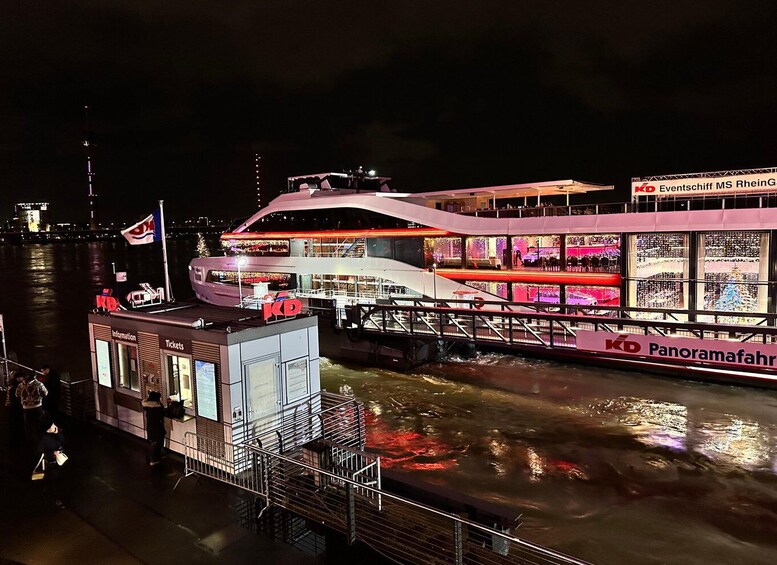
(39, 472)
(60, 457)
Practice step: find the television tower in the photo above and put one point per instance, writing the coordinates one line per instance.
(94, 218)
(258, 181)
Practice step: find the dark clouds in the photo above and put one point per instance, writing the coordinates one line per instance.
(435, 94)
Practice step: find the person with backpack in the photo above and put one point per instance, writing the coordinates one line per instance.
(31, 392)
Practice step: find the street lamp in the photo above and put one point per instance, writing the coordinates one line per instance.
(240, 263)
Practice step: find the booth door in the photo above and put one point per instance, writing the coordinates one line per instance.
(263, 395)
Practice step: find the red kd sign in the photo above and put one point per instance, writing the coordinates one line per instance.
(281, 308)
(106, 301)
(645, 187)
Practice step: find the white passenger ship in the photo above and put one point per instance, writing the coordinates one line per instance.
(698, 245)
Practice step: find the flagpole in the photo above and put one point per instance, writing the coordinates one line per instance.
(168, 289)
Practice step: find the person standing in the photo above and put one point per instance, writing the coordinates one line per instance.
(155, 426)
(31, 392)
(50, 445)
(50, 378)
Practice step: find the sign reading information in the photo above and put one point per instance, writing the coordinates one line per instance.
(705, 186)
(719, 352)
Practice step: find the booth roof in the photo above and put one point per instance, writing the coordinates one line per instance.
(192, 314)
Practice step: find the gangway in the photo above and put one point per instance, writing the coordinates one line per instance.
(319, 472)
(560, 329)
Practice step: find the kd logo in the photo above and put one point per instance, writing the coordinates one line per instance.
(621, 344)
(281, 308)
(107, 301)
(645, 187)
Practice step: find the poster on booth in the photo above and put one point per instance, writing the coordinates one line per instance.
(680, 349)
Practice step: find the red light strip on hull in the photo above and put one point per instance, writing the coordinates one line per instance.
(540, 277)
(398, 232)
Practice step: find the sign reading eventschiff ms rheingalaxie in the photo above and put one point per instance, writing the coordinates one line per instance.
(706, 186)
(751, 355)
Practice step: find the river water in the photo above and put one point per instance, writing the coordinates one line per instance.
(610, 466)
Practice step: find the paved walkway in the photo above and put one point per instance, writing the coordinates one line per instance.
(118, 510)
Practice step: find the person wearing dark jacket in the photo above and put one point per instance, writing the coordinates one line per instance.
(50, 445)
(155, 426)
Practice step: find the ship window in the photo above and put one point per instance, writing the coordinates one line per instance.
(593, 295)
(658, 271)
(445, 251)
(409, 250)
(341, 218)
(548, 293)
(486, 252)
(277, 281)
(380, 247)
(127, 365)
(733, 274)
(536, 252)
(496, 288)
(595, 252)
(256, 247)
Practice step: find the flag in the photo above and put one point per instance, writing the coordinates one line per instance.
(147, 230)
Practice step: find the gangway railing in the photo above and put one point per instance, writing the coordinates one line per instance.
(401, 529)
(494, 324)
(332, 417)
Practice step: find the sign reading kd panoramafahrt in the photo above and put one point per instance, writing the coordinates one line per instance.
(706, 186)
(679, 349)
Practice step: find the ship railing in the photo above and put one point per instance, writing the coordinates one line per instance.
(666, 204)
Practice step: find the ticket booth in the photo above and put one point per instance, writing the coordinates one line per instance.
(229, 370)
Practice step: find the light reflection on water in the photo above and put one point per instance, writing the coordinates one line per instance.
(572, 448)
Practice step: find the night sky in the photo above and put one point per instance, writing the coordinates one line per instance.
(436, 95)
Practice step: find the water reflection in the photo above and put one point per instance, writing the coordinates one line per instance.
(612, 454)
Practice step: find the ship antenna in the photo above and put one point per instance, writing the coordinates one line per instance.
(258, 182)
(94, 220)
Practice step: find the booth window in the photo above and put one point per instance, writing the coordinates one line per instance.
(179, 379)
(127, 362)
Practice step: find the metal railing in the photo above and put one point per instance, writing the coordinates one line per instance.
(233, 464)
(332, 417)
(331, 490)
(665, 204)
(401, 529)
(337, 419)
(495, 324)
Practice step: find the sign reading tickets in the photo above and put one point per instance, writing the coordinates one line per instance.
(705, 186)
(678, 349)
(180, 345)
(205, 373)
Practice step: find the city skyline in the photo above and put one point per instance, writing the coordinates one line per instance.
(440, 95)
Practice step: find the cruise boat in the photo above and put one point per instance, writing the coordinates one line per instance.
(693, 244)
